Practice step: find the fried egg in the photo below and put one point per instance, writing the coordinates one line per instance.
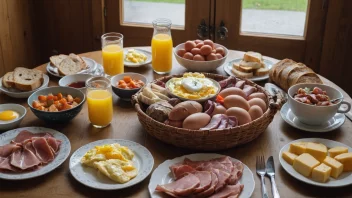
(8, 116)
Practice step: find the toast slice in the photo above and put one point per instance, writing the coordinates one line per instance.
(262, 64)
(7, 80)
(68, 67)
(252, 57)
(78, 59)
(27, 79)
(251, 65)
(56, 60)
(241, 74)
(261, 72)
(242, 69)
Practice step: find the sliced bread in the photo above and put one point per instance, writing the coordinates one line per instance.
(78, 59)
(242, 69)
(8, 80)
(251, 65)
(294, 76)
(69, 67)
(275, 70)
(56, 60)
(252, 57)
(283, 77)
(27, 79)
(241, 74)
(261, 72)
(308, 78)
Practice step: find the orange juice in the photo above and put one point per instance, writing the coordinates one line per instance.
(100, 107)
(113, 59)
(162, 53)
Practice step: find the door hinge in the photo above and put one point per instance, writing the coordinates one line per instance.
(105, 12)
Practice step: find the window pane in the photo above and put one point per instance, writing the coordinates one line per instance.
(274, 16)
(145, 11)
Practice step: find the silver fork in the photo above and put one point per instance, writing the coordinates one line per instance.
(260, 165)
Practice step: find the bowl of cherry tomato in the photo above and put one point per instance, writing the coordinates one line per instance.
(127, 84)
(56, 104)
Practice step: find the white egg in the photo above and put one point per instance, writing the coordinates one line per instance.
(192, 84)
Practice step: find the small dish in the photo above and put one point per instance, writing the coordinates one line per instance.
(126, 94)
(21, 110)
(67, 80)
(130, 64)
(290, 118)
(143, 160)
(14, 93)
(91, 67)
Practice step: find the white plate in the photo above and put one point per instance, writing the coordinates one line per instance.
(91, 67)
(130, 64)
(22, 94)
(64, 152)
(143, 160)
(228, 67)
(332, 124)
(344, 179)
(162, 174)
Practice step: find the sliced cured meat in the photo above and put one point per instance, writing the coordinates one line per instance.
(5, 165)
(229, 191)
(240, 84)
(8, 149)
(226, 167)
(211, 189)
(205, 180)
(24, 135)
(182, 187)
(248, 89)
(222, 177)
(236, 173)
(42, 149)
(214, 122)
(179, 170)
(24, 159)
(54, 143)
(193, 164)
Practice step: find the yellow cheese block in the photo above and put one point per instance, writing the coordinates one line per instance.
(346, 160)
(336, 167)
(337, 151)
(321, 173)
(305, 163)
(318, 151)
(298, 147)
(289, 157)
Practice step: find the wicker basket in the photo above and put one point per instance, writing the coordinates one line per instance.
(209, 140)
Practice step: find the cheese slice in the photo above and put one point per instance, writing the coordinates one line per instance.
(321, 173)
(298, 147)
(336, 167)
(337, 151)
(346, 160)
(305, 163)
(289, 157)
(317, 150)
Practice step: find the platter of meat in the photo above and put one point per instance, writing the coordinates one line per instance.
(202, 175)
(31, 152)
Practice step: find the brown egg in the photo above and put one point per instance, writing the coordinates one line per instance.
(236, 101)
(211, 57)
(205, 50)
(232, 91)
(181, 52)
(188, 55)
(219, 109)
(199, 45)
(255, 112)
(189, 45)
(198, 41)
(259, 102)
(209, 42)
(198, 57)
(219, 56)
(220, 50)
(257, 95)
(195, 51)
(196, 121)
(242, 115)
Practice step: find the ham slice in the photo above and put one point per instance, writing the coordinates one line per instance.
(25, 135)
(236, 174)
(205, 180)
(222, 177)
(8, 149)
(211, 189)
(5, 165)
(229, 191)
(182, 187)
(179, 170)
(24, 159)
(42, 149)
(54, 143)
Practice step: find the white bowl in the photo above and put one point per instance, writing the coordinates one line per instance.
(21, 110)
(65, 81)
(200, 66)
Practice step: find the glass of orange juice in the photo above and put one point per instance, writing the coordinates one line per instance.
(112, 49)
(99, 99)
(162, 46)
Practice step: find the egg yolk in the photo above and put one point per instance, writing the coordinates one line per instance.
(8, 115)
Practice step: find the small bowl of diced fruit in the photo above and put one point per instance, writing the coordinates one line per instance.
(127, 84)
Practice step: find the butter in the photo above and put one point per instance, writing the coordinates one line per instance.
(298, 148)
(336, 167)
(318, 151)
(321, 173)
(337, 151)
(346, 160)
(305, 163)
(289, 157)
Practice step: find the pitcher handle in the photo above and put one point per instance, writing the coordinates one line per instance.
(348, 107)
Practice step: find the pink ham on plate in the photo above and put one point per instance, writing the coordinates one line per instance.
(8, 149)
(211, 189)
(24, 159)
(180, 170)
(25, 135)
(181, 187)
(42, 149)
(205, 180)
(229, 191)
(236, 173)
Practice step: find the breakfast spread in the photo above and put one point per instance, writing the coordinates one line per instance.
(316, 161)
(8, 116)
(128, 83)
(112, 160)
(54, 103)
(251, 65)
(23, 79)
(316, 97)
(68, 64)
(218, 177)
(28, 152)
(199, 50)
(287, 73)
(135, 56)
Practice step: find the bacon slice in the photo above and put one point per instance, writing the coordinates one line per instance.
(229, 191)
(182, 187)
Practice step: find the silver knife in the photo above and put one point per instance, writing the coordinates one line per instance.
(270, 171)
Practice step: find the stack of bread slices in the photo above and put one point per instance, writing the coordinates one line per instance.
(23, 79)
(251, 65)
(68, 64)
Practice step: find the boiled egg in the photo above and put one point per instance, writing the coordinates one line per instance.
(191, 84)
(8, 115)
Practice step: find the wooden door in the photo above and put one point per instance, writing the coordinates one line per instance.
(288, 35)
(133, 18)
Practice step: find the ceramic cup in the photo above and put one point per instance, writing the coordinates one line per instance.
(316, 115)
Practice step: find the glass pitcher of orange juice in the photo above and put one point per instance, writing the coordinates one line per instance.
(112, 49)
(162, 46)
(99, 99)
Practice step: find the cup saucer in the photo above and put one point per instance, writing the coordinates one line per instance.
(291, 119)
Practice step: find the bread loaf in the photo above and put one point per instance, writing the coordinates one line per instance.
(27, 79)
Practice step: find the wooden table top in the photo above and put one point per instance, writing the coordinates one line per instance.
(125, 125)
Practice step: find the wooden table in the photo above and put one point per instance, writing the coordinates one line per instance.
(125, 125)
